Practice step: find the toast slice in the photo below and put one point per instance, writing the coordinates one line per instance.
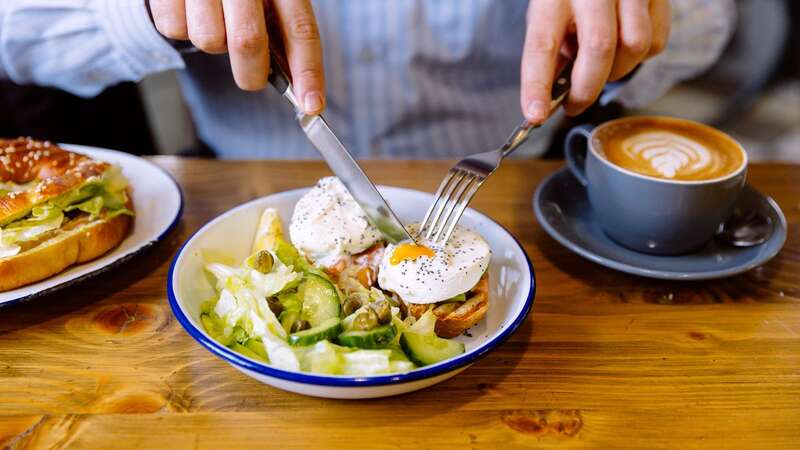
(454, 318)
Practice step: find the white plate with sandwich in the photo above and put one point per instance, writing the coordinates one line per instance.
(69, 212)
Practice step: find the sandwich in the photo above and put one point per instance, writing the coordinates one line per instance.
(57, 209)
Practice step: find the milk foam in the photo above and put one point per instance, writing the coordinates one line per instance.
(667, 153)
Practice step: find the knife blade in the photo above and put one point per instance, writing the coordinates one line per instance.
(340, 161)
(353, 177)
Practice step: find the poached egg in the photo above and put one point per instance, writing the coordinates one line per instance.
(327, 224)
(426, 273)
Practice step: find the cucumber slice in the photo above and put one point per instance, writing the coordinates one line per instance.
(327, 330)
(425, 349)
(320, 300)
(378, 337)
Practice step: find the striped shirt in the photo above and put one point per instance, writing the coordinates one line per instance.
(405, 78)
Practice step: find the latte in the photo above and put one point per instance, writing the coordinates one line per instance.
(667, 148)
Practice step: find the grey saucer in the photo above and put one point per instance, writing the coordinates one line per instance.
(562, 209)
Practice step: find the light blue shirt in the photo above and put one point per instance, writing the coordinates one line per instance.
(405, 78)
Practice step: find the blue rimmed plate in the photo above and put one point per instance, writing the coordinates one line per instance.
(512, 289)
(158, 202)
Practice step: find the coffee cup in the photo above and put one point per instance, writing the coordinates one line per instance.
(658, 185)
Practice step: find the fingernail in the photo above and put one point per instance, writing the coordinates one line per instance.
(537, 110)
(313, 102)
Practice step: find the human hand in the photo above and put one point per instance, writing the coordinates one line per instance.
(606, 38)
(239, 28)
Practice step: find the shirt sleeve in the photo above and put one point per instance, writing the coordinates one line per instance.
(80, 46)
(700, 31)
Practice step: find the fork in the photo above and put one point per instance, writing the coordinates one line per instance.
(466, 177)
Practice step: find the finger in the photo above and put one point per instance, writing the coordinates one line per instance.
(635, 36)
(247, 42)
(169, 17)
(596, 22)
(205, 25)
(303, 51)
(547, 24)
(661, 20)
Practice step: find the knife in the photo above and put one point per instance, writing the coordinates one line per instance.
(338, 158)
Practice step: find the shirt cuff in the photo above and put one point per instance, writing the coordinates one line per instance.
(132, 33)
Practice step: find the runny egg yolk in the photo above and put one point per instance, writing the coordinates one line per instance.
(408, 251)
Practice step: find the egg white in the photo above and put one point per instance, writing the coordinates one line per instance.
(327, 224)
(453, 270)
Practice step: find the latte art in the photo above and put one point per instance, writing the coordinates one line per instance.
(667, 153)
(671, 149)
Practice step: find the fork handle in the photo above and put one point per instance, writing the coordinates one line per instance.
(561, 86)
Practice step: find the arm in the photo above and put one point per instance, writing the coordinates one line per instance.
(80, 46)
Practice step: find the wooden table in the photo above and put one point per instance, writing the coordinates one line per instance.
(606, 360)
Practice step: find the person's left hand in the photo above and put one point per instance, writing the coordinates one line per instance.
(607, 38)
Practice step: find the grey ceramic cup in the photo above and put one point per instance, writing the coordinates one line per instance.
(648, 214)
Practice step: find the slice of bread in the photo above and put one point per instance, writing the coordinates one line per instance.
(63, 250)
(454, 318)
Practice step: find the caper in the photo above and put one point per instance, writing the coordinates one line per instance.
(263, 261)
(275, 306)
(300, 325)
(383, 311)
(351, 304)
(366, 320)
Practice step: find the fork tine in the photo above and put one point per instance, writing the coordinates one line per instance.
(460, 210)
(455, 199)
(434, 224)
(436, 198)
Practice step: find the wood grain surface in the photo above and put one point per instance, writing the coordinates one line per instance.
(606, 360)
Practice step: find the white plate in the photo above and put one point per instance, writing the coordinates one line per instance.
(511, 284)
(158, 203)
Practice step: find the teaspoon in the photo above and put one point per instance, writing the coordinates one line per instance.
(745, 228)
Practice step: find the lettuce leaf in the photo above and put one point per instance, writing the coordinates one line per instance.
(242, 300)
(326, 358)
(41, 220)
(107, 191)
(114, 204)
(93, 206)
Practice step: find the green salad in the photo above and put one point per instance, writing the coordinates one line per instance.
(278, 308)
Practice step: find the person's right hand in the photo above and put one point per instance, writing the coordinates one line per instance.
(238, 27)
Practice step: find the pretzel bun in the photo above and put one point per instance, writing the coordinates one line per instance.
(24, 160)
(50, 172)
